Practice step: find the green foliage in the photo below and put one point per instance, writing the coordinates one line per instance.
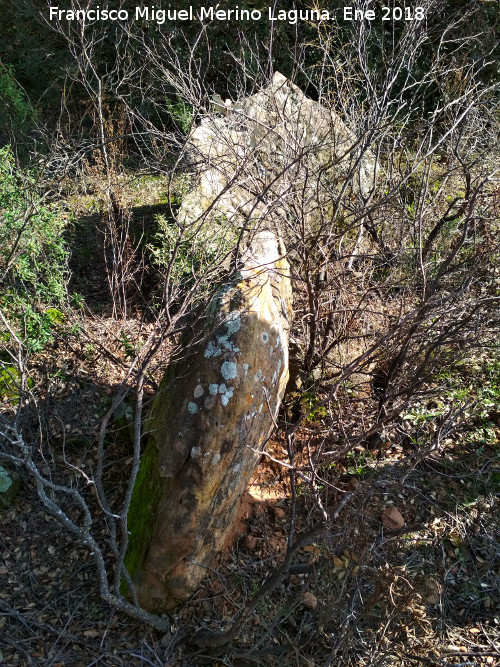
(9, 381)
(5, 480)
(309, 401)
(55, 316)
(33, 257)
(127, 345)
(181, 113)
(197, 253)
(17, 115)
(358, 464)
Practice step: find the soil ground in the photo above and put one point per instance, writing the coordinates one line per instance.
(407, 575)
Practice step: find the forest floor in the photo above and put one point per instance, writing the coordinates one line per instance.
(410, 574)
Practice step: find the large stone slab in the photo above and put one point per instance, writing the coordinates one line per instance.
(272, 149)
(208, 425)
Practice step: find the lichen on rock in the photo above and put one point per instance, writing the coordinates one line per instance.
(208, 424)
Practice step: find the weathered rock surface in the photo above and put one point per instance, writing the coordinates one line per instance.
(274, 146)
(208, 425)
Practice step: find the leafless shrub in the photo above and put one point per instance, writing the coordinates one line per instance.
(393, 281)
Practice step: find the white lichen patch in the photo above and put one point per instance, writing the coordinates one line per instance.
(222, 388)
(279, 365)
(213, 389)
(215, 458)
(222, 342)
(227, 395)
(192, 407)
(198, 391)
(212, 350)
(265, 337)
(195, 452)
(229, 370)
(233, 323)
(258, 375)
(278, 341)
(245, 368)
(225, 342)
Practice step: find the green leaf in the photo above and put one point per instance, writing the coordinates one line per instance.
(5, 480)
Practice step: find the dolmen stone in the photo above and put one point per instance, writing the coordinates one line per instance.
(208, 426)
(256, 165)
(270, 151)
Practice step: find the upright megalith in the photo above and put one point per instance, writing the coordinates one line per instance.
(208, 426)
(270, 160)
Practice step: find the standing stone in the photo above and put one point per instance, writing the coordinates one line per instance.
(217, 406)
(275, 148)
(208, 426)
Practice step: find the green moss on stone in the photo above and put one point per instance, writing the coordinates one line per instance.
(143, 509)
